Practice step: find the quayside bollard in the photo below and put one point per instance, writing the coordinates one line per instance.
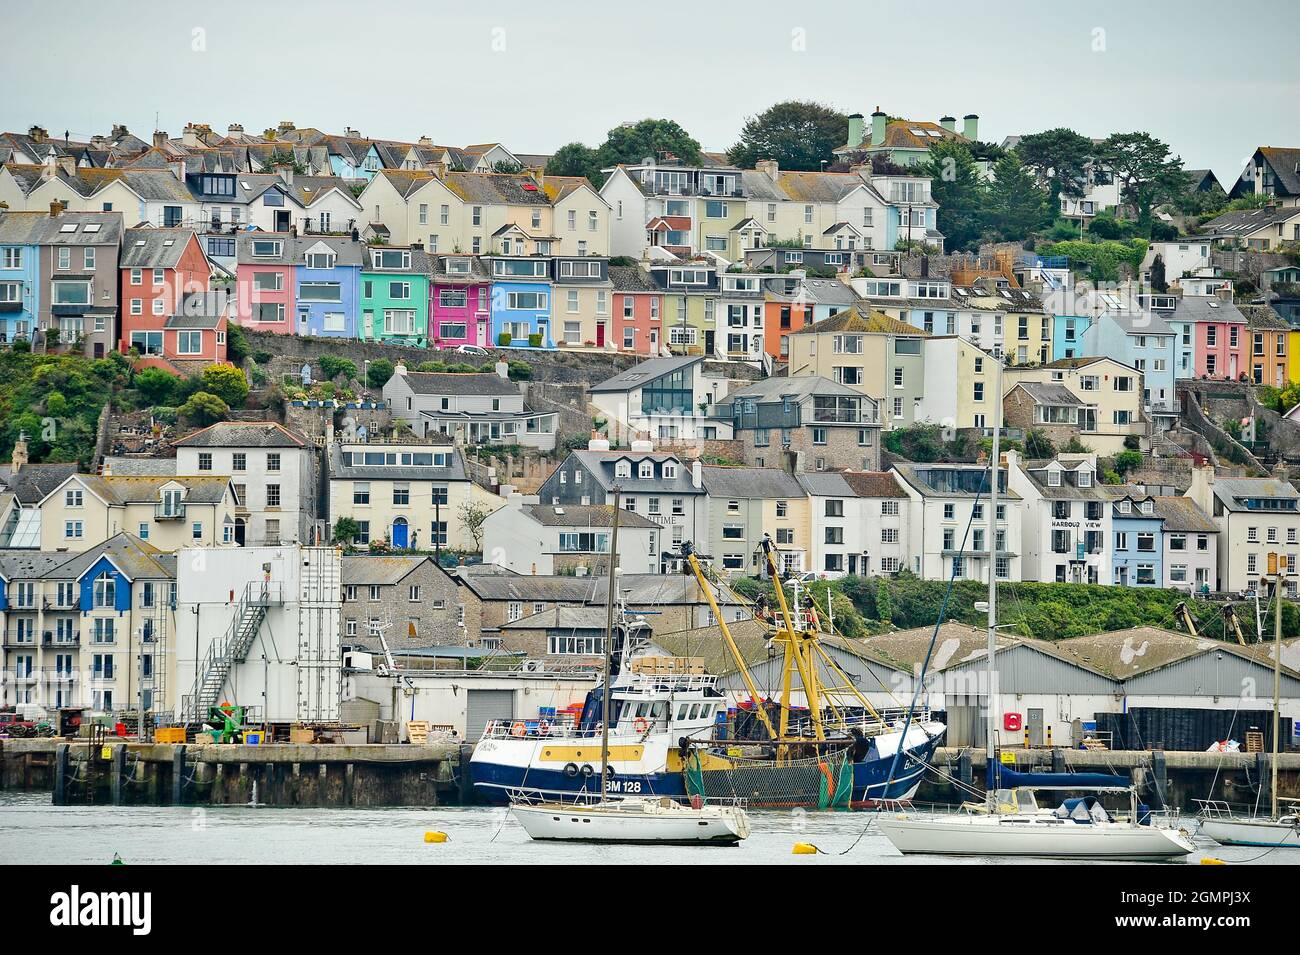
(178, 774)
(61, 774)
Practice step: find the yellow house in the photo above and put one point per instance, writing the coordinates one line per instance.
(167, 513)
(1109, 392)
(581, 314)
(874, 353)
(412, 496)
(581, 216)
(744, 504)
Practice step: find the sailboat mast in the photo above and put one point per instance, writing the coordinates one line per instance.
(990, 743)
(609, 644)
(1277, 680)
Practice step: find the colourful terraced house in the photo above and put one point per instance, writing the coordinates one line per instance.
(638, 311)
(161, 269)
(521, 301)
(395, 296)
(327, 285)
(264, 273)
(20, 286)
(582, 301)
(691, 292)
(460, 302)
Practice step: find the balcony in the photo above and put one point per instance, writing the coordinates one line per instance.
(169, 512)
(54, 640)
(20, 640)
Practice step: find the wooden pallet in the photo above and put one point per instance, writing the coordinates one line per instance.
(418, 731)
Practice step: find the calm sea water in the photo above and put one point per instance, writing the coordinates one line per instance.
(32, 831)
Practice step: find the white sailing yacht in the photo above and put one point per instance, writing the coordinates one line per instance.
(630, 820)
(1011, 822)
(1278, 829)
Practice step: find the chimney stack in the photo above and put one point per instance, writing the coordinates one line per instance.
(56, 209)
(425, 141)
(768, 167)
(439, 169)
(351, 133)
(949, 123)
(235, 131)
(38, 134)
(971, 127)
(285, 171)
(190, 136)
(697, 474)
(855, 131)
(67, 164)
(286, 126)
(159, 139)
(119, 132)
(878, 127)
(503, 370)
(20, 451)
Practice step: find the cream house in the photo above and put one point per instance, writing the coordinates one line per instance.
(1255, 517)
(412, 496)
(1110, 393)
(744, 505)
(163, 511)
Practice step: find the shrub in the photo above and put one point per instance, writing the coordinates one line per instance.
(504, 339)
(237, 344)
(535, 340)
(333, 366)
(228, 384)
(203, 409)
(157, 386)
(380, 371)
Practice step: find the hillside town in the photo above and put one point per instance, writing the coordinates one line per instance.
(291, 413)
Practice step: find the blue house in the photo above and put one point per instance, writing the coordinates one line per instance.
(20, 286)
(327, 280)
(521, 300)
(1138, 553)
(1144, 340)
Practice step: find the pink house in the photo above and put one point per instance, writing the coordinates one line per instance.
(264, 273)
(460, 302)
(1221, 341)
(638, 311)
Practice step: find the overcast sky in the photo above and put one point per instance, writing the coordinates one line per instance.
(1213, 81)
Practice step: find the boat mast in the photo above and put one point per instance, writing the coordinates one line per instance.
(990, 748)
(1277, 676)
(609, 646)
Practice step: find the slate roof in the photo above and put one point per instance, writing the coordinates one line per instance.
(1184, 514)
(33, 482)
(764, 483)
(1285, 162)
(487, 383)
(135, 558)
(154, 248)
(477, 275)
(1229, 491)
(121, 490)
(561, 618)
(816, 186)
(27, 564)
(584, 515)
(41, 228)
(852, 320)
(826, 484)
(381, 570)
(630, 278)
(601, 466)
(1249, 221)
(1263, 318)
(118, 466)
(1049, 394)
(338, 471)
(496, 188)
(800, 388)
(645, 372)
(873, 483)
(242, 434)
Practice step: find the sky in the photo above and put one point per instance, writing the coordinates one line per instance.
(1211, 81)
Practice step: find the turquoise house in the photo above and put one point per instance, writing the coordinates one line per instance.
(20, 287)
(521, 301)
(394, 300)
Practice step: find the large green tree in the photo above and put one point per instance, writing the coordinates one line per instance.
(1016, 205)
(649, 138)
(1058, 157)
(575, 159)
(1147, 171)
(797, 134)
(960, 192)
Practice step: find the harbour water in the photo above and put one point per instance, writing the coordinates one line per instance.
(33, 831)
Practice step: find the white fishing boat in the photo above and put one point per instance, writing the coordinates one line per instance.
(624, 820)
(636, 821)
(1078, 829)
(1010, 823)
(1278, 829)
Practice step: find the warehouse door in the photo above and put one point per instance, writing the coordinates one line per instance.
(1035, 727)
(483, 707)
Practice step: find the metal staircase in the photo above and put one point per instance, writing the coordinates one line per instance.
(231, 649)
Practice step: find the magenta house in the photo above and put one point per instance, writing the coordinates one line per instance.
(460, 302)
(264, 272)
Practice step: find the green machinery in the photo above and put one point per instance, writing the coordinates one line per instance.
(227, 722)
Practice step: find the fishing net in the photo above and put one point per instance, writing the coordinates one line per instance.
(824, 782)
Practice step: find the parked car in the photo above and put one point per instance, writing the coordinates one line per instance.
(472, 350)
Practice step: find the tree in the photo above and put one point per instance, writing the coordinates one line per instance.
(345, 530)
(472, 515)
(797, 134)
(1158, 281)
(227, 383)
(1016, 207)
(1038, 445)
(1059, 157)
(236, 344)
(650, 138)
(156, 386)
(1127, 461)
(1147, 172)
(381, 369)
(575, 159)
(203, 408)
(958, 189)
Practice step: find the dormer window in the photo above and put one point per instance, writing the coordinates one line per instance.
(670, 470)
(646, 470)
(267, 248)
(390, 258)
(169, 502)
(319, 260)
(1125, 506)
(623, 469)
(1147, 507)
(1053, 478)
(1084, 479)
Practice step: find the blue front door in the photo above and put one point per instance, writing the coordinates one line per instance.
(399, 533)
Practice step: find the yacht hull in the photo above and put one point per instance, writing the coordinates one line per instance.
(987, 836)
(719, 826)
(1252, 832)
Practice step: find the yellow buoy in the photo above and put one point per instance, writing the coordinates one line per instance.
(1209, 861)
(804, 849)
(435, 837)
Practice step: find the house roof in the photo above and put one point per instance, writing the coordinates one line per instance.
(630, 278)
(584, 515)
(154, 248)
(750, 636)
(120, 490)
(1263, 318)
(601, 464)
(135, 558)
(762, 483)
(852, 320)
(1249, 221)
(486, 383)
(587, 617)
(1184, 514)
(360, 570)
(41, 228)
(644, 372)
(1285, 162)
(118, 465)
(242, 434)
(1231, 491)
(873, 483)
(454, 471)
(1048, 394)
(33, 482)
(799, 389)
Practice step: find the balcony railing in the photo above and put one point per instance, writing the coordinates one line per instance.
(55, 639)
(20, 639)
(169, 512)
